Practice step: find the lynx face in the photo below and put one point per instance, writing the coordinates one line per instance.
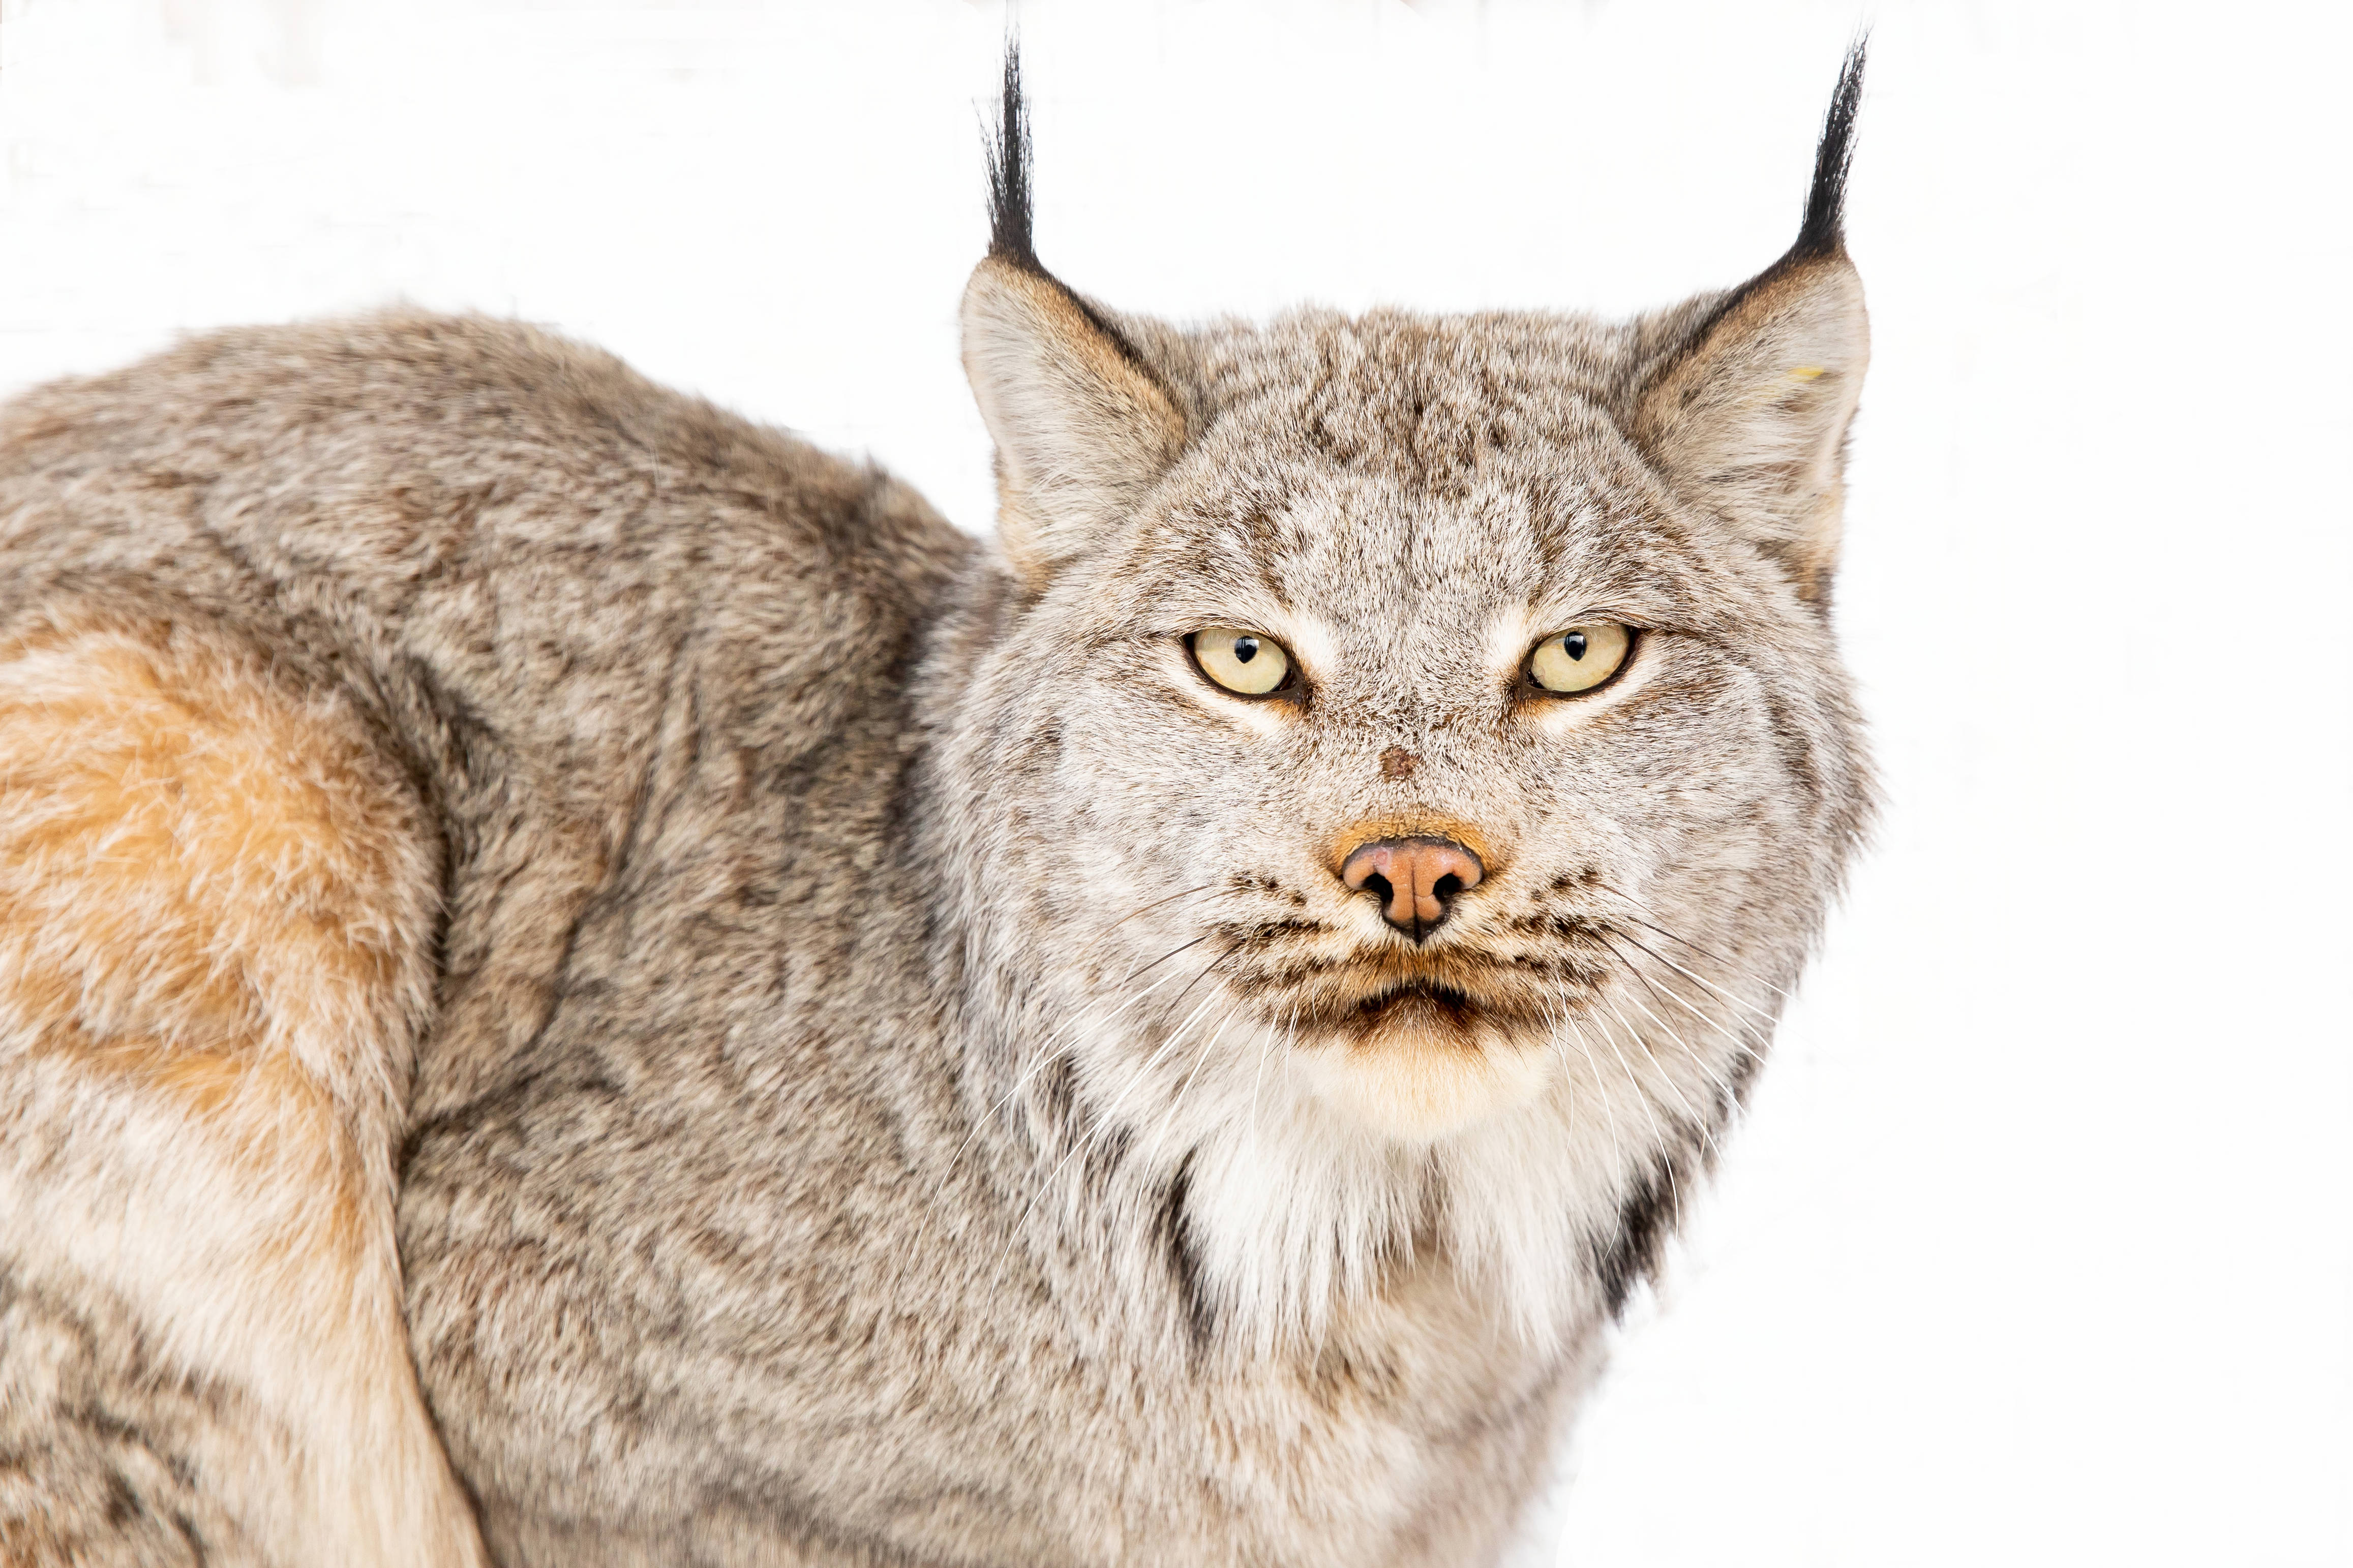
(1408, 543)
(1416, 749)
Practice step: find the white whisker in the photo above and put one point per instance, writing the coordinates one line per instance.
(1698, 1057)
(1685, 942)
(1700, 1123)
(1763, 1016)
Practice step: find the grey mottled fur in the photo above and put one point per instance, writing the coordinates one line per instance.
(802, 1165)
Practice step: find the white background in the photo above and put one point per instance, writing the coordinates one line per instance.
(2035, 1247)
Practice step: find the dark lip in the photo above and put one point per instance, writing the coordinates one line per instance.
(1433, 991)
(1454, 1005)
(1357, 998)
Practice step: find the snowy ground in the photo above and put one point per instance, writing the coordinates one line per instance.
(2036, 1246)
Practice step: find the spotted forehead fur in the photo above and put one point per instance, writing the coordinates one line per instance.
(1482, 460)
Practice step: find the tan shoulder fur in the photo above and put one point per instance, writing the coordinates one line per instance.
(217, 901)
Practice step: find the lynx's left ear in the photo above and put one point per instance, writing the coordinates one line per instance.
(1749, 415)
(1082, 427)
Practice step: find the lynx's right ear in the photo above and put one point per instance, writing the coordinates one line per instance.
(1082, 427)
(1748, 411)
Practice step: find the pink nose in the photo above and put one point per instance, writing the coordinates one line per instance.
(1416, 878)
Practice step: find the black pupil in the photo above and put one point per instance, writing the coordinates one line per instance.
(1574, 642)
(1245, 650)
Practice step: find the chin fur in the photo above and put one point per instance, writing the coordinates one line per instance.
(1423, 1065)
(1538, 1167)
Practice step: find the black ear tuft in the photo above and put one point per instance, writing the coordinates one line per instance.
(1008, 172)
(1824, 231)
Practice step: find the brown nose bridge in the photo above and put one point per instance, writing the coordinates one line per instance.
(1415, 870)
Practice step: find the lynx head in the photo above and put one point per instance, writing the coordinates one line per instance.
(1409, 758)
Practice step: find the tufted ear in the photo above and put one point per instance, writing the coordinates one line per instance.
(1748, 412)
(1082, 428)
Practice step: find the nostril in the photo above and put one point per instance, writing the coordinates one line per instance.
(1378, 886)
(1445, 887)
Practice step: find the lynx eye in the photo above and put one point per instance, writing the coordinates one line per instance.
(1249, 662)
(1581, 658)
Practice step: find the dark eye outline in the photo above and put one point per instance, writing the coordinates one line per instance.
(1292, 690)
(1528, 683)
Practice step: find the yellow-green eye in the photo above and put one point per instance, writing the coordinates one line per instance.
(1580, 658)
(1249, 662)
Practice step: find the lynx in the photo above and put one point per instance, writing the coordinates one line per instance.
(583, 983)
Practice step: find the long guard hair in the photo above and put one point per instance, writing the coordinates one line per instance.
(1823, 233)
